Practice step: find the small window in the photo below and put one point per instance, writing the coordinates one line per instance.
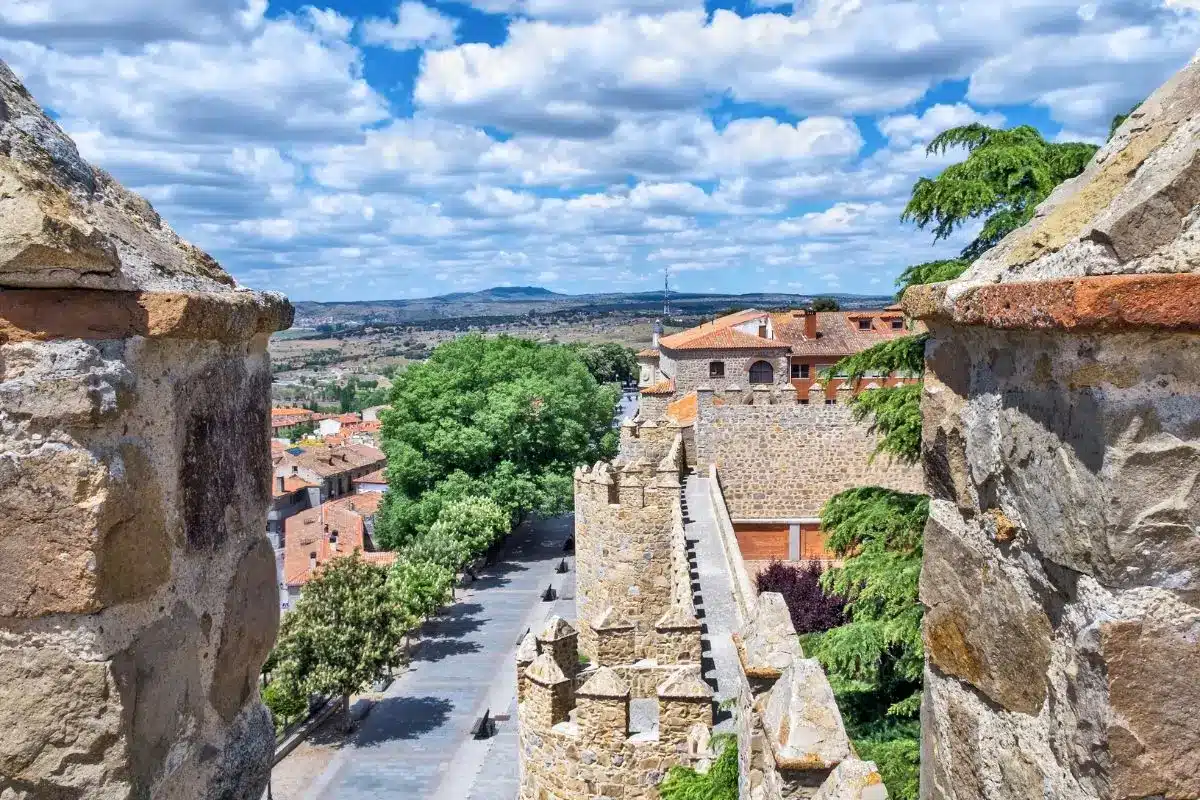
(716, 369)
(897, 324)
(762, 372)
(804, 401)
(762, 331)
(804, 370)
(795, 370)
(864, 324)
(830, 402)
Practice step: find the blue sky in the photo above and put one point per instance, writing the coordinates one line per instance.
(363, 149)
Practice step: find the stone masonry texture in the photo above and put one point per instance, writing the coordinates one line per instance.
(138, 601)
(781, 460)
(1062, 452)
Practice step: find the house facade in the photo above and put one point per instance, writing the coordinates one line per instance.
(754, 396)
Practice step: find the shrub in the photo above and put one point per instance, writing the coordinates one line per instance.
(719, 783)
(811, 608)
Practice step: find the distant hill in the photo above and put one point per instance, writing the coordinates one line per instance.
(516, 301)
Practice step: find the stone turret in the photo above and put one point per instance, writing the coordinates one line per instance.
(548, 695)
(1062, 451)
(559, 639)
(139, 593)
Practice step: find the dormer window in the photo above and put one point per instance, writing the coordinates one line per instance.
(897, 324)
(864, 324)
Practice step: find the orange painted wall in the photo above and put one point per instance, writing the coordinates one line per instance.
(762, 542)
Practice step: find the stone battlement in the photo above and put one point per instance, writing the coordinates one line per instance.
(633, 592)
(791, 740)
(580, 737)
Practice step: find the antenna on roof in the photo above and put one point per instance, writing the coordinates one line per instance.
(667, 291)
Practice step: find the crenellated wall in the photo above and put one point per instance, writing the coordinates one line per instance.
(780, 459)
(575, 730)
(1062, 452)
(633, 593)
(138, 598)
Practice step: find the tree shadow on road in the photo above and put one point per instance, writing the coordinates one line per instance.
(403, 718)
(434, 650)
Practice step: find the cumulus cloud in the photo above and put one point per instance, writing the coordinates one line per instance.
(415, 25)
(590, 145)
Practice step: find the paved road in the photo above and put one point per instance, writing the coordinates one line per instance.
(715, 598)
(416, 742)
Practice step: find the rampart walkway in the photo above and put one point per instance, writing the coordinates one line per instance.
(715, 599)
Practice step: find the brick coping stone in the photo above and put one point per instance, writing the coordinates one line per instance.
(1103, 302)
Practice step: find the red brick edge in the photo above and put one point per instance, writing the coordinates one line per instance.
(44, 314)
(1107, 302)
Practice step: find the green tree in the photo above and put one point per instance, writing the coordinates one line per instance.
(609, 362)
(477, 522)
(719, 783)
(284, 702)
(343, 633)
(499, 417)
(1002, 180)
(825, 304)
(419, 588)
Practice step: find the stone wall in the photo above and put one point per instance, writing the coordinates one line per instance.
(1062, 451)
(689, 368)
(139, 597)
(633, 592)
(781, 460)
(575, 735)
(791, 740)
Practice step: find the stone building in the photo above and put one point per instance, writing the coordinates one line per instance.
(1062, 452)
(752, 397)
(138, 598)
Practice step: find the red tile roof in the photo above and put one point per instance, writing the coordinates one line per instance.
(308, 535)
(700, 337)
(683, 410)
(838, 333)
(662, 387)
(648, 353)
(292, 483)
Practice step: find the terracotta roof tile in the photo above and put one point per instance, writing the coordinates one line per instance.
(308, 534)
(662, 387)
(373, 477)
(723, 339)
(648, 353)
(683, 410)
(838, 333)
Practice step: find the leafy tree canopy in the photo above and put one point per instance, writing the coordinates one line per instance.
(875, 661)
(825, 304)
(343, 632)
(501, 417)
(609, 362)
(1002, 180)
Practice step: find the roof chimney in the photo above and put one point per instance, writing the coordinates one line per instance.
(810, 325)
(312, 560)
(657, 332)
(333, 541)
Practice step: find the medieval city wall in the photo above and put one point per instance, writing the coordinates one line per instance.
(1061, 443)
(576, 735)
(633, 591)
(139, 597)
(778, 459)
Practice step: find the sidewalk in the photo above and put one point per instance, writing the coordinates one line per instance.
(416, 741)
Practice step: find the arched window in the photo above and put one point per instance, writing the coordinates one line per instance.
(762, 372)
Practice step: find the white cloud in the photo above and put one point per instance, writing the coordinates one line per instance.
(568, 10)
(638, 133)
(905, 130)
(416, 25)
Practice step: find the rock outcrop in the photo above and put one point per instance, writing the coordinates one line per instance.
(138, 598)
(1062, 451)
